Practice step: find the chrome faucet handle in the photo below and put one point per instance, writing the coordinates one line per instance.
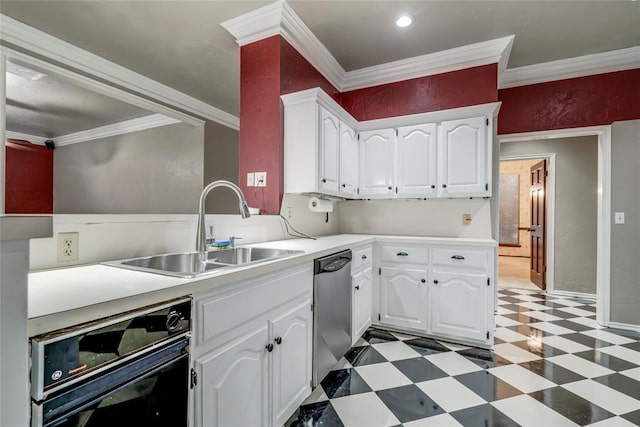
(232, 240)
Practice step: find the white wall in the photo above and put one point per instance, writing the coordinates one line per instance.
(109, 237)
(433, 217)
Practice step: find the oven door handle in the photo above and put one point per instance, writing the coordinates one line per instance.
(77, 399)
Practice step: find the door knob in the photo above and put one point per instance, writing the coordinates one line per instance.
(357, 288)
(435, 281)
(269, 347)
(423, 281)
(278, 340)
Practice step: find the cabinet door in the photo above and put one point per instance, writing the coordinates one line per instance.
(403, 297)
(291, 335)
(459, 305)
(232, 386)
(349, 155)
(416, 161)
(329, 145)
(362, 303)
(463, 158)
(376, 163)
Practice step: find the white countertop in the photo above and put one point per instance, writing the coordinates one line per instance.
(65, 297)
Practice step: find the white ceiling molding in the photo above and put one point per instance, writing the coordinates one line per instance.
(114, 129)
(473, 55)
(597, 63)
(37, 140)
(99, 87)
(280, 18)
(52, 48)
(310, 47)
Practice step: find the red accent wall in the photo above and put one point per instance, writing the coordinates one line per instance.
(471, 86)
(268, 69)
(260, 135)
(29, 181)
(584, 101)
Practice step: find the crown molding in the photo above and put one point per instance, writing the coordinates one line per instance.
(279, 18)
(57, 50)
(256, 25)
(473, 55)
(580, 66)
(37, 140)
(127, 126)
(310, 47)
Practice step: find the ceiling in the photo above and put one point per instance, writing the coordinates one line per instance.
(43, 104)
(181, 44)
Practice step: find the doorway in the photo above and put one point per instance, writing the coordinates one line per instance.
(523, 210)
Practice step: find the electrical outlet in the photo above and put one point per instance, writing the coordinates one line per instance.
(67, 247)
(250, 179)
(261, 179)
(288, 212)
(466, 219)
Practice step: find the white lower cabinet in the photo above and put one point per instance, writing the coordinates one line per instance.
(362, 302)
(252, 353)
(291, 360)
(403, 297)
(232, 385)
(445, 292)
(459, 305)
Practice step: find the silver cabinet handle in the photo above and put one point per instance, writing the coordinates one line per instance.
(460, 257)
(402, 254)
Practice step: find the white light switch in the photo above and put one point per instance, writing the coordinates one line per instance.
(250, 179)
(619, 217)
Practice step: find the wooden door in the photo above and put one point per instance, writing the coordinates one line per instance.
(538, 222)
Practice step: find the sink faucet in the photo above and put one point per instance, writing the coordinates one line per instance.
(201, 245)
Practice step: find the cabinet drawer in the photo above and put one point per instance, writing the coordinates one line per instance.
(361, 258)
(463, 257)
(408, 254)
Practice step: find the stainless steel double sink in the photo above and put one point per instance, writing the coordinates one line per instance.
(195, 264)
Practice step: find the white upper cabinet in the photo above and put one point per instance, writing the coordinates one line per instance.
(445, 154)
(416, 161)
(349, 162)
(464, 158)
(376, 163)
(328, 152)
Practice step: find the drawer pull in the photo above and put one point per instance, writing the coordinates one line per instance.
(364, 257)
(423, 281)
(435, 281)
(460, 257)
(402, 254)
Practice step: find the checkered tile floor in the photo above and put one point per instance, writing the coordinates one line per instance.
(552, 365)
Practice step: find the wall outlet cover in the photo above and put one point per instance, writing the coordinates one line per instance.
(466, 219)
(261, 179)
(68, 247)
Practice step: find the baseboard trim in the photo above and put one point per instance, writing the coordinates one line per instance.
(573, 294)
(624, 326)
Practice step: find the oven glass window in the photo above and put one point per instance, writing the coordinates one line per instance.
(158, 400)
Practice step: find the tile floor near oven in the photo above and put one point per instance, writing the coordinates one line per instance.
(552, 365)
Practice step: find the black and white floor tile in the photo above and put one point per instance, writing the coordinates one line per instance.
(552, 365)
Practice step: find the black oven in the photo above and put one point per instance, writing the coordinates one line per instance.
(131, 369)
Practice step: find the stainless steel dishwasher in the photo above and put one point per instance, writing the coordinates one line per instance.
(331, 313)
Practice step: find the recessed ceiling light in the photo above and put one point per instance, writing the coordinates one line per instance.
(404, 21)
